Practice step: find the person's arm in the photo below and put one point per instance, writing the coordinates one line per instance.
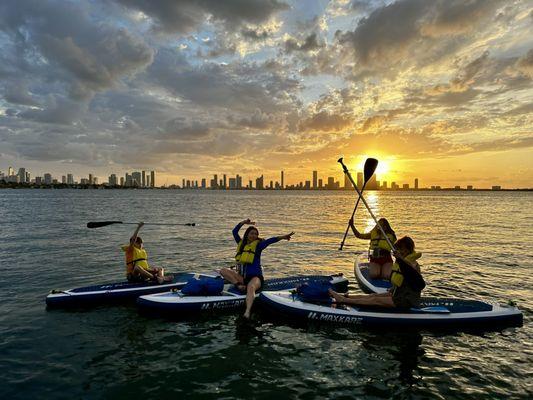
(267, 242)
(237, 228)
(134, 237)
(358, 234)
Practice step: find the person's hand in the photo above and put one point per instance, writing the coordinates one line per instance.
(247, 221)
(288, 236)
(140, 224)
(396, 254)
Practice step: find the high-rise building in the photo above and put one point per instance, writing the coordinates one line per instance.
(152, 179)
(63, 179)
(70, 179)
(320, 184)
(214, 182)
(128, 180)
(371, 184)
(121, 181)
(232, 183)
(136, 178)
(38, 180)
(22, 175)
(90, 179)
(225, 183)
(47, 179)
(384, 185)
(28, 177)
(360, 180)
(347, 183)
(315, 179)
(112, 180)
(250, 184)
(416, 183)
(143, 179)
(259, 183)
(203, 183)
(307, 185)
(238, 182)
(331, 183)
(95, 180)
(148, 181)
(282, 180)
(10, 171)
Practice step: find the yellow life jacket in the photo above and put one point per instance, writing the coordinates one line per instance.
(396, 276)
(378, 241)
(246, 253)
(135, 256)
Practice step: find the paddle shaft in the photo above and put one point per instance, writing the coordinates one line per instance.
(345, 169)
(353, 213)
(106, 223)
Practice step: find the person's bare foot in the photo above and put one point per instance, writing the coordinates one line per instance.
(338, 298)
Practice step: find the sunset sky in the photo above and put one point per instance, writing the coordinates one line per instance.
(439, 90)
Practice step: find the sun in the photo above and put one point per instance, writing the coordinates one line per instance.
(384, 164)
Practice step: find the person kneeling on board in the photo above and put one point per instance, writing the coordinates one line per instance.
(137, 268)
(249, 275)
(407, 282)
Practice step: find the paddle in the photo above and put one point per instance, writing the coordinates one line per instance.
(105, 223)
(369, 169)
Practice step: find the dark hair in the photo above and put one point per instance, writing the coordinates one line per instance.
(137, 240)
(406, 243)
(245, 238)
(386, 226)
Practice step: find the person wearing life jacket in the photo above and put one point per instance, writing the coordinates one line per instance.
(379, 252)
(407, 282)
(137, 268)
(249, 274)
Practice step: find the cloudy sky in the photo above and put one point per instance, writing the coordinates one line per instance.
(440, 90)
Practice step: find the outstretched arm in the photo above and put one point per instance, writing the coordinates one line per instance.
(275, 239)
(134, 236)
(357, 233)
(235, 230)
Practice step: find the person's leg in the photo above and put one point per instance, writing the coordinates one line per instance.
(374, 270)
(142, 272)
(386, 270)
(253, 286)
(364, 300)
(231, 276)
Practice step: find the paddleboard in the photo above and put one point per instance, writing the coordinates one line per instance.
(364, 281)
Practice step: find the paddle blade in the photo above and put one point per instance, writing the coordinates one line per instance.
(370, 167)
(101, 223)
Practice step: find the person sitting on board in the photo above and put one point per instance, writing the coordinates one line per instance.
(407, 282)
(379, 252)
(137, 268)
(249, 274)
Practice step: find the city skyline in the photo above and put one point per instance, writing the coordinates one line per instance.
(142, 179)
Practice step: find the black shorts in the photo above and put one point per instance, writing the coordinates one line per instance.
(249, 278)
(405, 298)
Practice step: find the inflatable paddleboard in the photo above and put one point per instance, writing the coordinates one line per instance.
(109, 292)
(364, 281)
(436, 313)
(177, 303)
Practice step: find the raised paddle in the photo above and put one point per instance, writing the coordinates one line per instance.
(105, 223)
(369, 169)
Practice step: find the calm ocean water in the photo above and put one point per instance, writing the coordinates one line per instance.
(475, 245)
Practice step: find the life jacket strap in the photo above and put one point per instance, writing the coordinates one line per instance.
(134, 261)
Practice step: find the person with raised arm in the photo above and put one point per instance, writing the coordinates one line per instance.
(248, 276)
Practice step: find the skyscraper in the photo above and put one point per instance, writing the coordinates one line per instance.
(10, 171)
(315, 179)
(416, 183)
(143, 179)
(47, 179)
(90, 179)
(152, 179)
(136, 178)
(22, 175)
(70, 179)
(203, 183)
(225, 184)
(282, 181)
(63, 179)
(371, 184)
(347, 183)
(259, 183)
(360, 180)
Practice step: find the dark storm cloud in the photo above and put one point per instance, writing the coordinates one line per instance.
(182, 129)
(407, 28)
(308, 44)
(57, 50)
(326, 122)
(185, 15)
(238, 87)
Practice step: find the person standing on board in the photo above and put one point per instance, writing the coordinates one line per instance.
(249, 274)
(407, 282)
(137, 268)
(379, 252)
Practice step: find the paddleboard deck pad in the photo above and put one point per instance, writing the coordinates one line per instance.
(176, 303)
(111, 292)
(367, 284)
(434, 313)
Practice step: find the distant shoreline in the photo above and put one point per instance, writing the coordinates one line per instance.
(11, 185)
